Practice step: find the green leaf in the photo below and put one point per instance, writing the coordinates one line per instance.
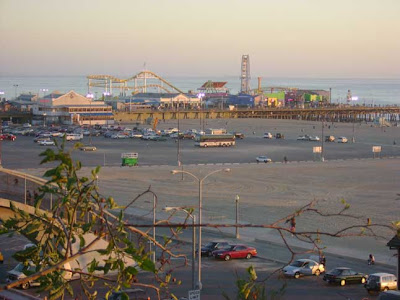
(82, 241)
(131, 270)
(148, 265)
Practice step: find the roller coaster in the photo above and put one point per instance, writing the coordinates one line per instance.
(135, 84)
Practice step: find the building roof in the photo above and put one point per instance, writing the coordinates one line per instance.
(394, 243)
(214, 85)
(27, 97)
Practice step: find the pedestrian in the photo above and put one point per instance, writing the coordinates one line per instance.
(371, 260)
(16, 181)
(394, 142)
(285, 159)
(322, 260)
(292, 222)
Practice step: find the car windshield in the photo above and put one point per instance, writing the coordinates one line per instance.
(210, 245)
(297, 263)
(336, 271)
(373, 278)
(19, 268)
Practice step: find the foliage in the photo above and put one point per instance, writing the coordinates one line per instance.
(78, 221)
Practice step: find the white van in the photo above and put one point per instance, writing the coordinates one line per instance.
(74, 137)
(381, 282)
(268, 135)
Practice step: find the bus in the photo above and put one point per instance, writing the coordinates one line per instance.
(215, 140)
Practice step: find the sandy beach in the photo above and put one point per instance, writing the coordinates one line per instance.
(270, 191)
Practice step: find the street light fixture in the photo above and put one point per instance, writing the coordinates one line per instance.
(200, 180)
(190, 214)
(43, 90)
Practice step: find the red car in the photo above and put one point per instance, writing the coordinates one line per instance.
(235, 251)
(8, 136)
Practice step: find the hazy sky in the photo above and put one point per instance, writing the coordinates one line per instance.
(284, 38)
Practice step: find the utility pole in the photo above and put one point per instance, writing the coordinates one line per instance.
(237, 216)
(322, 142)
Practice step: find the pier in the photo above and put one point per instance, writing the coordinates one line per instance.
(329, 114)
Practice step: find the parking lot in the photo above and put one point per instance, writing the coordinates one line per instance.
(245, 151)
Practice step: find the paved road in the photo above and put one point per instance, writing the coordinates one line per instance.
(15, 155)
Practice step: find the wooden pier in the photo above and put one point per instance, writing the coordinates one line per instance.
(330, 114)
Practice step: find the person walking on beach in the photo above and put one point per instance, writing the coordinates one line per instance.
(285, 159)
(292, 224)
(371, 260)
(322, 260)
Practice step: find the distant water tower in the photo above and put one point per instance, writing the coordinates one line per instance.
(245, 74)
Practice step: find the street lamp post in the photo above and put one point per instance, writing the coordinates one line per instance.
(237, 216)
(200, 181)
(322, 142)
(193, 239)
(154, 227)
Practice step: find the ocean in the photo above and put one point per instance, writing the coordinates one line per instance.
(378, 91)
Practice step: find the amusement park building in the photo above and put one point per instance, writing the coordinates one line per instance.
(71, 108)
(163, 100)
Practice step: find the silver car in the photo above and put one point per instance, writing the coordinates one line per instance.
(303, 267)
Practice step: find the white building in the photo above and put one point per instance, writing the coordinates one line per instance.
(71, 108)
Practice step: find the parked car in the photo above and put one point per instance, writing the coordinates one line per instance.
(40, 139)
(136, 135)
(46, 143)
(88, 148)
(263, 159)
(314, 138)
(136, 294)
(21, 271)
(239, 135)
(303, 267)
(119, 136)
(343, 276)
(303, 138)
(389, 295)
(158, 138)
(342, 139)
(235, 251)
(329, 138)
(268, 135)
(208, 249)
(8, 136)
(381, 282)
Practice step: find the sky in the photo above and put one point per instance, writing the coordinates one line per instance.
(284, 38)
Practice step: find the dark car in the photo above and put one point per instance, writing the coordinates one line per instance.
(235, 251)
(208, 249)
(239, 135)
(343, 276)
(279, 136)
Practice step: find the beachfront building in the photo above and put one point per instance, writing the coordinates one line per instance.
(71, 108)
(161, 101)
